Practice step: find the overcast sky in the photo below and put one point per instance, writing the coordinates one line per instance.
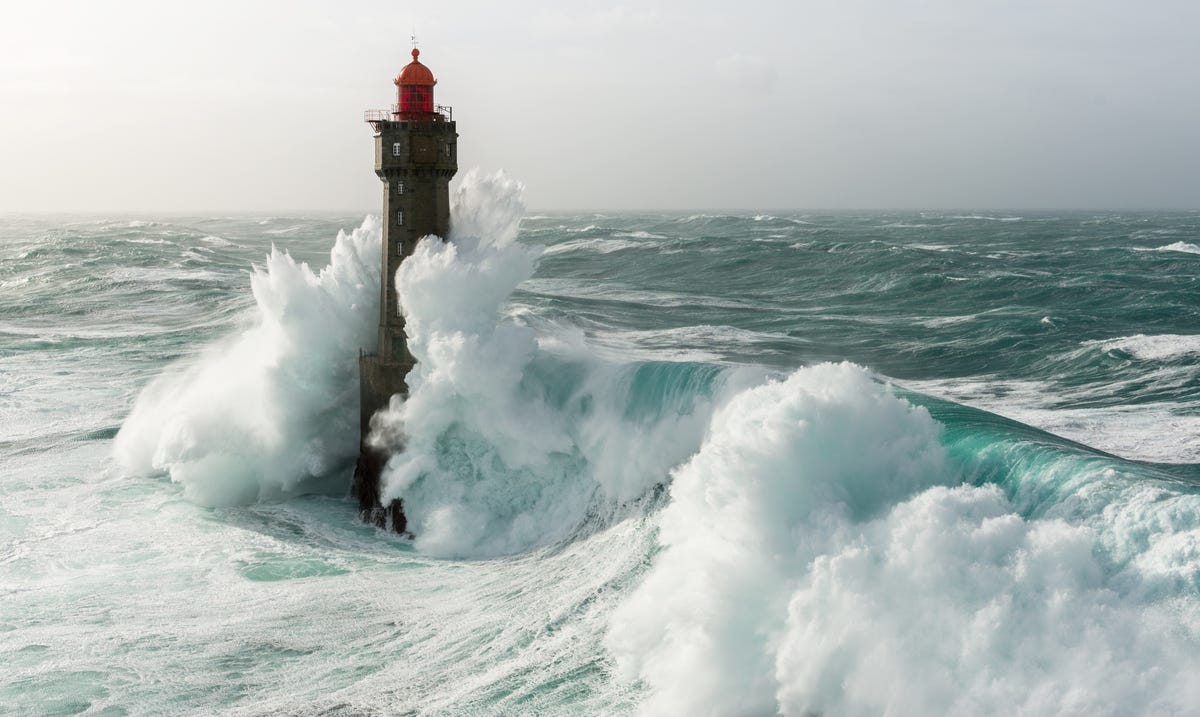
(257, 105)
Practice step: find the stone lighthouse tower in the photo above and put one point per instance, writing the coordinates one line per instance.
(416, 154)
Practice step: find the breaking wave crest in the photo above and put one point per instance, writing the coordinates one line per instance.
(830, 550)
(1180, 246)
(273, 410)
(1152, 348)
(511, 440)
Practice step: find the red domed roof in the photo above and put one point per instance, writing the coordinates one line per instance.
(414, 73)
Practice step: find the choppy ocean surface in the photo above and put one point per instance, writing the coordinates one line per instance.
(665, 464)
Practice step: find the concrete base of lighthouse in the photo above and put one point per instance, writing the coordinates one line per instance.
(380, 379)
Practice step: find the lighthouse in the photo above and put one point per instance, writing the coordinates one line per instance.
(416, 155)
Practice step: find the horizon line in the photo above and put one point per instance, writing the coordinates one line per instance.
(590, 210)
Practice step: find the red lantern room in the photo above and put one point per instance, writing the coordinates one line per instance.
(414, 91)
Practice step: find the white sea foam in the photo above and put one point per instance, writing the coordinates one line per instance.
(782, 463)
(490, 464)
(940, 321)
(1155, 347)
(286, 230)
(985, 218)
(1180, 246)
(492, 461)
(271, 411)
(600, 246)
(640, 235)
(817, 559)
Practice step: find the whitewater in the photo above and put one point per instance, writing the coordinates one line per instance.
(654, 464)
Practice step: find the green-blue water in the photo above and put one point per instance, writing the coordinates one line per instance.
(634, 485)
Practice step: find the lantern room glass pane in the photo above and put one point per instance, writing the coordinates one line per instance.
(416, 98)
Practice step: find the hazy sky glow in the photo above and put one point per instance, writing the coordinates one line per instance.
(168, 106)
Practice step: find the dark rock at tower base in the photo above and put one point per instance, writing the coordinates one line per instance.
(366, 488)
(379, 380)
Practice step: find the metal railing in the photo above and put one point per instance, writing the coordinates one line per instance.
(445, 111)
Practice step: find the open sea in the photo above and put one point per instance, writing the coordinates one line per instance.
(724, 463)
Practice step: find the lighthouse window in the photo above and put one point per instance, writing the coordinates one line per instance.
(400, 218)
(399, 187)
(396, 149)
(447, 149)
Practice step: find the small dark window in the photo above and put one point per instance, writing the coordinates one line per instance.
(396, 149)
(399, 187)
(400, 218)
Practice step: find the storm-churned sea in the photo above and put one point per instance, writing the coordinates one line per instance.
(726, 463)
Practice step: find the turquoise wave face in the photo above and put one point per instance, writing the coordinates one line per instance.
(1066, 321)
(637, 486)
